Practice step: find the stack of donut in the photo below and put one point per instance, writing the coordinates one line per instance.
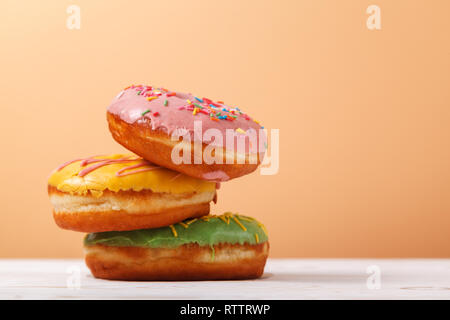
(147, 213)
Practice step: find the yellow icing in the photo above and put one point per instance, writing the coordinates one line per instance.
(158, 180)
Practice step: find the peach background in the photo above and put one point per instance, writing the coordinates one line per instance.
(364, 116)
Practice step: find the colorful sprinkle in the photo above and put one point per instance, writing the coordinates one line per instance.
(120, 94)
(166, 103)
(225, 218)
(239, 130)
(175, 234)
(191, 221)
(239, 223)
(156, 113)
(249, 219)
(263, 228)
(145, 112)
(184, 225)
(151, 98)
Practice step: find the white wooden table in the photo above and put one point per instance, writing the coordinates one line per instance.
(283, 279)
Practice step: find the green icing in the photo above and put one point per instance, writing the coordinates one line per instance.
(204, 233)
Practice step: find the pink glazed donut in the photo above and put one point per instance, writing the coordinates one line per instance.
(195, 136)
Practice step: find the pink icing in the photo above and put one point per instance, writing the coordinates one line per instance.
(170, 112)
(125, 172)
(104, 162)
(216, 176)
(100, 163)
(175, 177)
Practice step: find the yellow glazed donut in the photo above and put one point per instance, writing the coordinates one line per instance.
(124, 192)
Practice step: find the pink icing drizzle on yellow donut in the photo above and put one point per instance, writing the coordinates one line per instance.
(121, 172)
(104, 162)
